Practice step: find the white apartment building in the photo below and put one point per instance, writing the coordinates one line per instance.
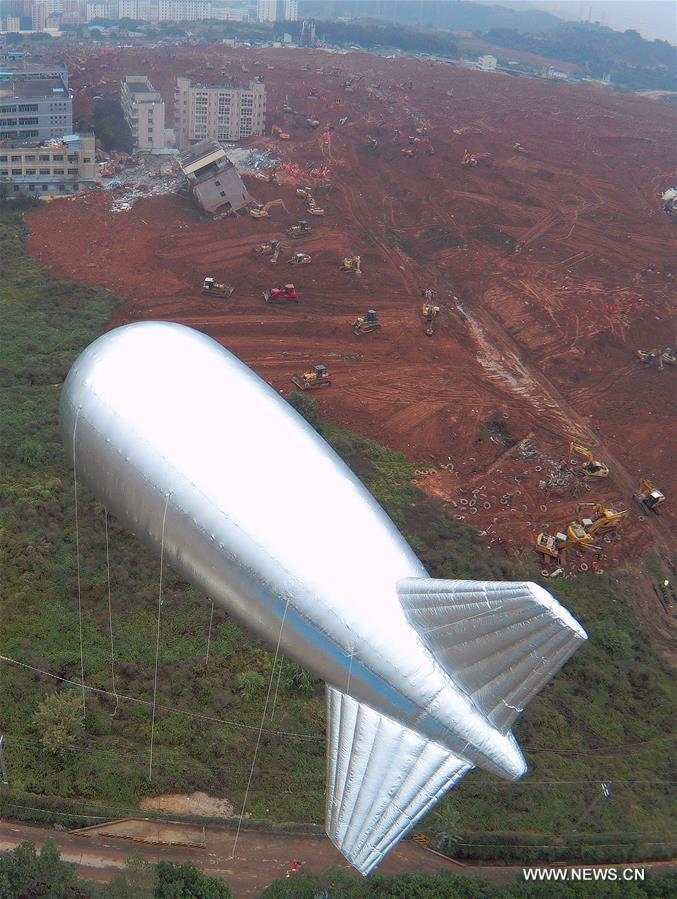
(97, 11)
(267, 10)
(144, 111)
(291, 10)
(134, 9)
(184, 10)
(221, 112)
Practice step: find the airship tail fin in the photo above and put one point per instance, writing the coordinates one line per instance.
(381, 779)
(501, 642)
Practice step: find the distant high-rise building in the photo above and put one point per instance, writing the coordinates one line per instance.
(291, 10)
(221, 112)
(267, 10)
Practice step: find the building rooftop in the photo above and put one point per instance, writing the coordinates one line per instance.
(140, 87)
(40, 88)
(203, 150)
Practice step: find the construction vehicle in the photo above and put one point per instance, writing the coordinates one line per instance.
(270, 248)
(422, 130)
(304, 193)
(649, 496)
(600, 518)
(577, 535)
(429, 313)
(408, 151)
(366, 323)
(285, 106)
(261, 212)
(589, 467)
(313, 209)
(300, 229)
(210, 287)
(312, 380)
(352, 264)
(275, 131)
(372, 143)
(518, 148)
(668, 356)
(268, 177)
(285, 294)
(300, 259)
(284, 135)
(552, 547)
(473, 158)
(312, 123)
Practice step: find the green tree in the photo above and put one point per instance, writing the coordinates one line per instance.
(58, 721)
(307, 407)
(186, 882)
(30, 873)
(251, 683)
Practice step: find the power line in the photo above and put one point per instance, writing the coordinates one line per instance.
(612, 750)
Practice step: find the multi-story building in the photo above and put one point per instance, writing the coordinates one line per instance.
(291, 10)
(49, 168)
(25, 71)
(184, 10)
(144, 111)
(267, 10)
(34, 109)
(98, 10)
(134, 9)
(222, 112)
(73, 12)
(228, 14)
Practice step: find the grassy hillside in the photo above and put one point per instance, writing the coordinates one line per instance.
(605, 718)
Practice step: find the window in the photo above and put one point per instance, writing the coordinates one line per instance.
(16, 188)
(44, 171)
(30, 171)
(16, 171)
(29, 158)
(45, 186)
(222, 192)
(56, 172)
(3, 159)
(72, 171)
(44, 158)
(4, 172)
(62, 186)
(27, 107)
(58, 158)
(31, 187)
(86, 159)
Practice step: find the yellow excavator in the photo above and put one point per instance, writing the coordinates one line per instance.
(312, 380)
(650, 496)
(261, 212)
(300, 229)
(270, 248)
(582, 458)
(352, 264)
(600, 518)
(429, 313)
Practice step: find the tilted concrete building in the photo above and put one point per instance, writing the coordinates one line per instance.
(144, 111)
(213, 179)
(221, 112)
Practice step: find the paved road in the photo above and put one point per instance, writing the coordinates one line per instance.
(261, 857)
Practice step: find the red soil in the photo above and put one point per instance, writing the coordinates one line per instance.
(536, 345)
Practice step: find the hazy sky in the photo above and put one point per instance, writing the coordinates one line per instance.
(652, 18)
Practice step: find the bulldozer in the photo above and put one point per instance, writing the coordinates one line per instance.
(366, 323)
(577, 535)
(429, 313)
(271, 248)
(372, 143)
(261, 212)
(285, 106)
(300, 259)
(300, 229)
(213, 288)
(408, 151)
(352, 264)
(581, 457)
(649, 496)
(278, 295)
(552, 547)
(313, 209)
(312, 380)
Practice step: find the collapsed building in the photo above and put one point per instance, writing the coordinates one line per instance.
(212, 178)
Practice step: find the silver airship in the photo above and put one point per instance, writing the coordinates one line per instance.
(204, 461)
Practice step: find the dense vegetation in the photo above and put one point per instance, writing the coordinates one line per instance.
(607, 717)
(626, 56)
(30, 874)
